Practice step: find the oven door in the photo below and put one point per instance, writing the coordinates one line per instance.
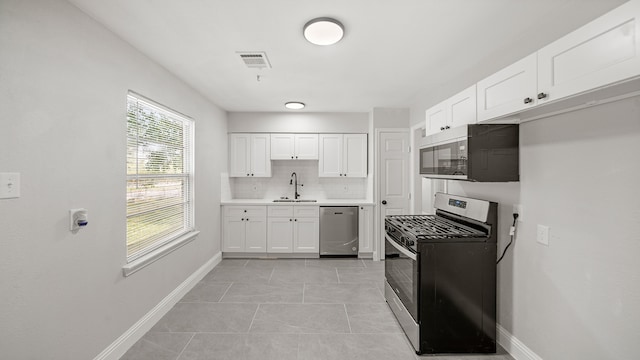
(402, 273)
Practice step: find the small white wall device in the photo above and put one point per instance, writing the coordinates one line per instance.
(78, 219)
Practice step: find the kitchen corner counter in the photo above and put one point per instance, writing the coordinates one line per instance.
(323, 202)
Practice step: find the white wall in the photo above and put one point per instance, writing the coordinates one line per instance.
(63, 85)
(579, 297)
(301, 122)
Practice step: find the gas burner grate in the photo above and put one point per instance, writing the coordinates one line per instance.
(432, 227)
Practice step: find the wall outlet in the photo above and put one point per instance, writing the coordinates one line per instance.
(543, 235)
(517, 209)
(9, 185)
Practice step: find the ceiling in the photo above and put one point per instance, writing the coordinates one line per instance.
(393, 52)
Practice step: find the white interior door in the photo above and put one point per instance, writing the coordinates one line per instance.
(393, 177)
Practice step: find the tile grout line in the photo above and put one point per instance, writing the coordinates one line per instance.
(186, 346)
(271, 275)
(253, 318)
(338, 275)
(348, 321)
(225, 292)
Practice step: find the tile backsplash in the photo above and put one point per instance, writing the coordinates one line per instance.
(314, 187)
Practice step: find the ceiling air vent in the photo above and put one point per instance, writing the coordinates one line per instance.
(256, 60)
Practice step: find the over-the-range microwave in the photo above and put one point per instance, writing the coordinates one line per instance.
(477, 152)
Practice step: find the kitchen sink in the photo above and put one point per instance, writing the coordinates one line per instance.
(291, 200)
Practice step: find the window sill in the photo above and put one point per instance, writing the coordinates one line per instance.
(151, 257)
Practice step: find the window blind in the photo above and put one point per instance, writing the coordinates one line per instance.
(159, 176)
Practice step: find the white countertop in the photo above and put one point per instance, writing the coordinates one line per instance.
(320, 202)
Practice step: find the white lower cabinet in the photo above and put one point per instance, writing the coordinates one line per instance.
(245, 229)
(280, 235)
(293, 229)
(365, 229)
(306, 235)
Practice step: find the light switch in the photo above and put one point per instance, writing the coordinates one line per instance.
(543, 235)
(9, 185)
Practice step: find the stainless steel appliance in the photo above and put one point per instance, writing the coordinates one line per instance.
(339, 231)
(476, 152)
(440, 273)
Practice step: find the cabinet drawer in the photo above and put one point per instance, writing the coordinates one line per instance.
(280, 211)
(259, 211)
(306, 211)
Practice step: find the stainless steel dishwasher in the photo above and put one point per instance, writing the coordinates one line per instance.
(338, 231)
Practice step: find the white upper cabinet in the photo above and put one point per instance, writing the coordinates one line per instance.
(342, 155)
(459, 109)
(294, 146)
(306, 146)
(603, 52)
(510, 90)
(354, 163)
(436, 118)
(282, 146)
(330, 164)
(249, 155)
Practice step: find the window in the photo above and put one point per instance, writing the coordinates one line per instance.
(159, 176)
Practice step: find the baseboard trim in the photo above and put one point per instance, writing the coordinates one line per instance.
(135, 332)
(516, 348)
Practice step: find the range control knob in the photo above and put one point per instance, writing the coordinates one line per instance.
(410, 242)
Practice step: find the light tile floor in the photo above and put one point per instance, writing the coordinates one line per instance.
(284, 309)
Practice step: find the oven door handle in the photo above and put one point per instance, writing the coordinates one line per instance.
(398, 247)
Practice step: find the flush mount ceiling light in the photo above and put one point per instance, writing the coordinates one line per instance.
(294, 105)
(323, 31)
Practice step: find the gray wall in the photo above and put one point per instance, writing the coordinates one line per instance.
(63, 86)
(579, 297)
(301, 122)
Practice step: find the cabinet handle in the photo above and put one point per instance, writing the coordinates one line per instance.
(292, 157)
(447, 127)
(247, 219)
(242, 219)
(251, 174)
(295, 219)
(528, 100)
(247, 174)
(245, 211)
(384, 202)
(290, 219)
(542, 95)
(442, 128)
(296, 157)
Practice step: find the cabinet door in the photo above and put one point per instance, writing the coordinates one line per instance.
(509, 90)
(306, 235)
(279, 235)
(256, 235)
(282, 146)
(239, 155)
(330, 161)
(365, 223)
(462, 108)
(260, 155)
(604, 51)
(306, 146)
(436, 119)
(234, 234)
(354, 163)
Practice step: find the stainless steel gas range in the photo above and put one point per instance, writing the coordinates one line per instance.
(440, 273)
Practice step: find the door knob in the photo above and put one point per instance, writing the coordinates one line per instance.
(384, 202)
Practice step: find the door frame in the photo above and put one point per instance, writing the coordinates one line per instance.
(378, 225)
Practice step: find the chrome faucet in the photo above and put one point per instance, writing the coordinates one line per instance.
(294, 176)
